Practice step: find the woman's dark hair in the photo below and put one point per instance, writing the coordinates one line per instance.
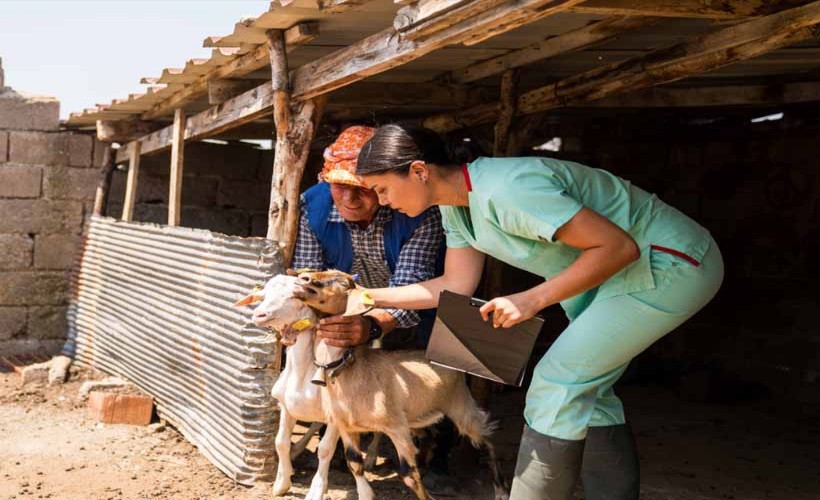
(394, 147)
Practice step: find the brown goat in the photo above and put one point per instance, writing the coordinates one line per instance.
(387, 392)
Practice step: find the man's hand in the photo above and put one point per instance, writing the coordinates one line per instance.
(344, 331)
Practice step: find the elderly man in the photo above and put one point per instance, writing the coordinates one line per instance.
(343, 227)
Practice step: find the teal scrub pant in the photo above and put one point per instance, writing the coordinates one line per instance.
(571, 387)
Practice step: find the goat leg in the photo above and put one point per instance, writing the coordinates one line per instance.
(300, 446)
(372, 452)
(319, 484)
(355, 461)
(285, 469)
(408, 470)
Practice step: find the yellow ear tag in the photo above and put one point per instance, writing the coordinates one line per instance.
(367, 299)
(255, 299)
(302, 324)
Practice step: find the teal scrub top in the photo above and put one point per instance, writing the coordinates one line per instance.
(517, 204)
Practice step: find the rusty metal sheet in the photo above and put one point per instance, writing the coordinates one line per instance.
(153, 304)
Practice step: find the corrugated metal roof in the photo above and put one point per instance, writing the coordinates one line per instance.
(338, 30)
(153, 304)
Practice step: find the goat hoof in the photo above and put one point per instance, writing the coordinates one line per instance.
(280, 487)
(315, 494)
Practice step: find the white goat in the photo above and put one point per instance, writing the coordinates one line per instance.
(298, 398)
(366, 390)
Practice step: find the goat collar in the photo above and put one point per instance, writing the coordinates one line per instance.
(333, 368)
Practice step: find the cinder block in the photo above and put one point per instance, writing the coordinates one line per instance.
(259, 225)
(56, 251)
(21, 112)
(99, 154)
(19, 181)
(36, 374)
(47, 322)
(247, 195)
(18, 288)
(40, 216)
(113, 408)
(38, 148)
(233, 222)
(80, 150)
(15, 251)
(12, 322)
(67, 183)
(4, 147)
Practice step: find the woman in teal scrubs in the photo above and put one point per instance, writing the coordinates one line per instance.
(626, 267)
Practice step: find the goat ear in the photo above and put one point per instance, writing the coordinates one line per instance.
(359, 301)
(250, 299)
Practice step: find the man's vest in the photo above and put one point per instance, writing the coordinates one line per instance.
(337, 248)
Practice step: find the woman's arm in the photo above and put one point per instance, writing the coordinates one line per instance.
(462, 272)
(606, 249)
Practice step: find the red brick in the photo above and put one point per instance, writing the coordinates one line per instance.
(113, 408)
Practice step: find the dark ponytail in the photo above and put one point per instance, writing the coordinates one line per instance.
(394, 147)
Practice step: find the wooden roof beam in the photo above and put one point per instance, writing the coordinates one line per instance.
(370, 56)
(703, 97)
(697, 55)
(242, 65)
(561, 44)
(124, 130)
(384, 50)
(235, 112)
(725, 9)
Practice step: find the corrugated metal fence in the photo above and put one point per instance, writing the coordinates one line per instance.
(152, 304)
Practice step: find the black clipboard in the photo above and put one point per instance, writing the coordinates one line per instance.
(462, 340)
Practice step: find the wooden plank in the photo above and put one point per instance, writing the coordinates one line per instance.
(551, 47)
(427, 16)
(337, 6)
(131, 184)
(702, 97)
(240, 66)
(235, 112)
(725, 9)
(384, 50)
(694, 56)
(177, 164)
(124, 130)
(222, 89)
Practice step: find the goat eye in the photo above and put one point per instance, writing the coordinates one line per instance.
(317, 283)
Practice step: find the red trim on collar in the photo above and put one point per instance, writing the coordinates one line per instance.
(466, 176)
(677, 253)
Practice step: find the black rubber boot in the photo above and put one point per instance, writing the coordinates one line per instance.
(611, 470)
(547, 467)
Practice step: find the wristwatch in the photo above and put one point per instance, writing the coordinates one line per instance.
(375, 331)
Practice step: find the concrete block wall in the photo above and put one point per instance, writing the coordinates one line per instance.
(47, 183)
(756, 187)
(225, 188)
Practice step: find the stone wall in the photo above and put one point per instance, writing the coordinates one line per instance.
(47, 183)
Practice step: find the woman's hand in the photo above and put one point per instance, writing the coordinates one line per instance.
(511, 310)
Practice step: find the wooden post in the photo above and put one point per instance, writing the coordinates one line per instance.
(494, 268)
(295, 127)
(101, 195)
(509, 82)
(177, 161)
(131, 183)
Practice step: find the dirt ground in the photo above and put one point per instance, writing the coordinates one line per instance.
(52, 448)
